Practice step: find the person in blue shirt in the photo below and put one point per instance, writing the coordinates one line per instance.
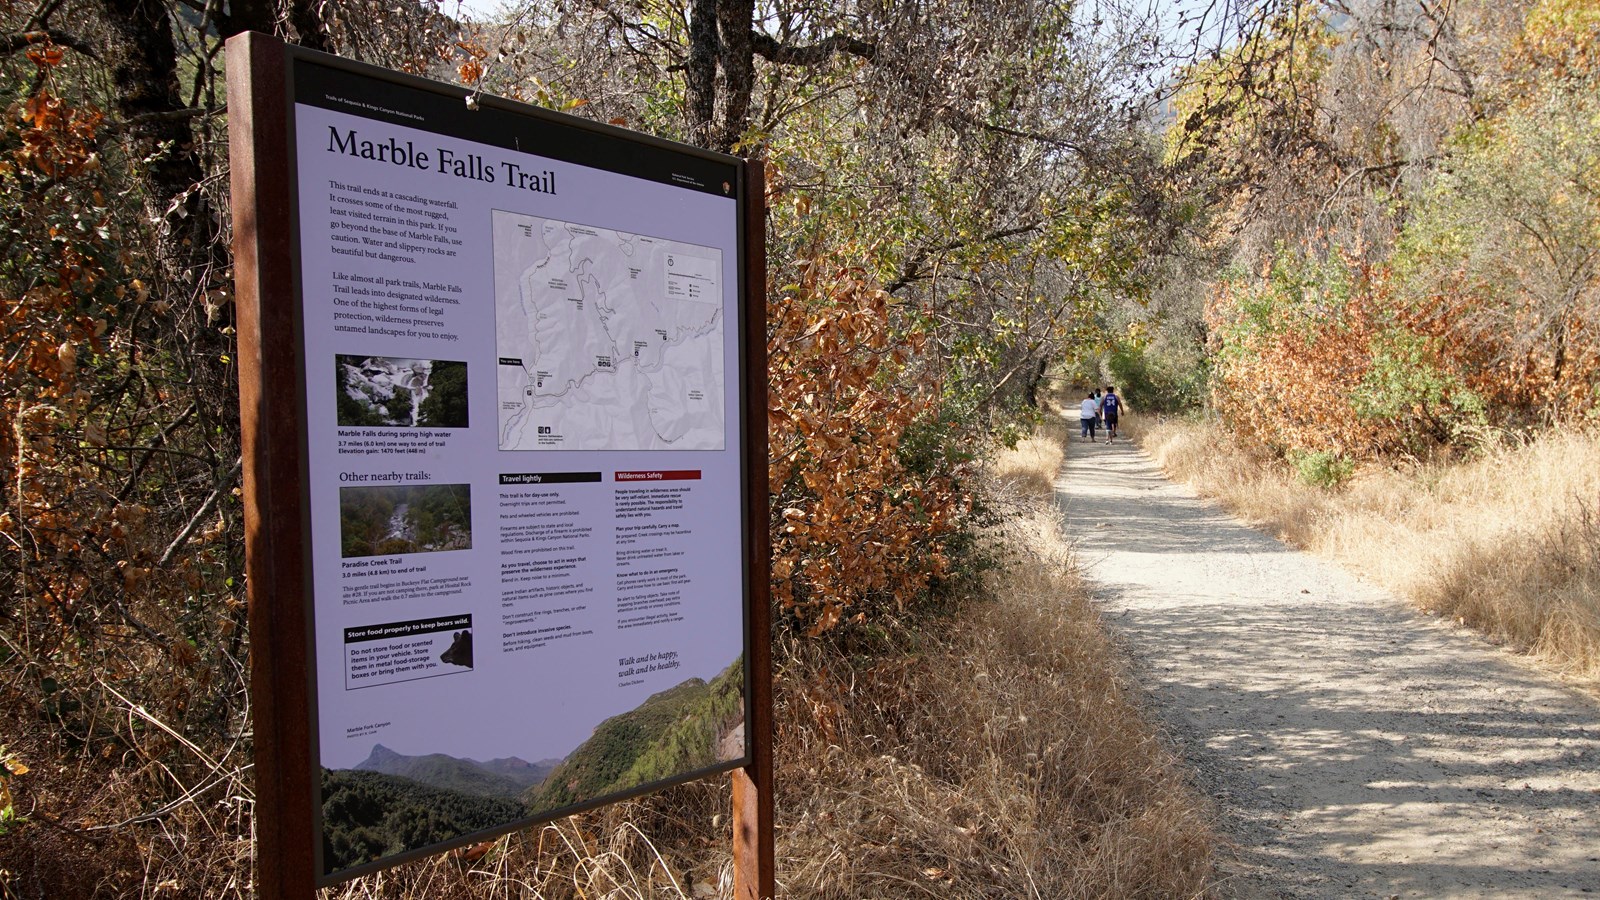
(1110, 409)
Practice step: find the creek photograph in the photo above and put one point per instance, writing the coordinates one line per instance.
(413, 518)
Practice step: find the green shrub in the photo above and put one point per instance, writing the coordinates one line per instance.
(1322, 468)
(1151, 379)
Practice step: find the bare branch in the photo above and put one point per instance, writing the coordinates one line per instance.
(169, 115)
(45, 9)
(816, 54)
(22, 40)
(160, 439)
(1041, 137)
(199, 516)
(914, 266)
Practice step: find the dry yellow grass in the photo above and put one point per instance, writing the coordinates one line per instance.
(995, 753)
(1507, 542)
(604, 855)
(990, 753)
(1003, 758)
(1026, 473)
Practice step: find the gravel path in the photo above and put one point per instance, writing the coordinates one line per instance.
(1356, 748)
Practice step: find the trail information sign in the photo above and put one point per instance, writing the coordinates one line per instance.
(495, 384)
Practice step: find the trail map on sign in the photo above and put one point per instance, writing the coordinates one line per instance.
(606, 340)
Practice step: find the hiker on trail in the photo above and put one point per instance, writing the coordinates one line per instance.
(1097, 402)
(1111, 407)
(1088, 410)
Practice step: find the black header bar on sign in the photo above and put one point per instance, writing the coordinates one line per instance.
(550, 478)
(514, 126)
(405, 629)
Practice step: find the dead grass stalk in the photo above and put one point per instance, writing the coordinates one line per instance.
(1001, 757)
(1507, 542)
(992, 753)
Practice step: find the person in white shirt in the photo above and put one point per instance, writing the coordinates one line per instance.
(1088, 411)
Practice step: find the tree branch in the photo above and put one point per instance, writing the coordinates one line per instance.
(1022, 134)
(161, 438)
(816, 54)
(626, 26)
(199, 517)
(11, 43)
(171, 115)
(913, 268)
(42, 14)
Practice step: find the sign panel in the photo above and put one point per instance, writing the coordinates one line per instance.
(521, 345)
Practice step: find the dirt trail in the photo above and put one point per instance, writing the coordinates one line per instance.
(1357, 748)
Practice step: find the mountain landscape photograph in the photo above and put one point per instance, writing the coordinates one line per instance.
(392, 802)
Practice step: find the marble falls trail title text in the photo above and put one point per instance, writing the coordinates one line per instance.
(446, 162)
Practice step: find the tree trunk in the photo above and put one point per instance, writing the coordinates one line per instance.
(700, 75)
(189, 254)
(737, 59)
(144, 66)
(1032, 390)
(719, 76)
(308, 27)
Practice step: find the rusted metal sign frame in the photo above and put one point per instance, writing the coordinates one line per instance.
(275, 484)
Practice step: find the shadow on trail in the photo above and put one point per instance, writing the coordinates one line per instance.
(1163, 520)
(1368, 750)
